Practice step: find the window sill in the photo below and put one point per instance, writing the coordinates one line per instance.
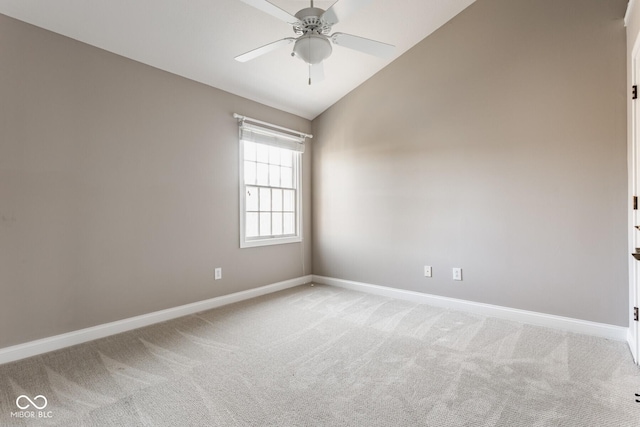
(269, 242)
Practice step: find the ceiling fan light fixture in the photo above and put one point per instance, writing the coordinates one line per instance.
(312, 48)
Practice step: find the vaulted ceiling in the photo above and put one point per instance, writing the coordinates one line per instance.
(198, 39)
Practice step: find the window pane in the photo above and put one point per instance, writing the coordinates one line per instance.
(274, 155)
(276, 224)
(251, 225)
(249, 150)
(250, 173)
(286, 176)
(265, 224)
(286, 158)
(262, 153)
(276, 200)
(270, 201)
(289, 223)
(265, 199)
(252, 199)
(288, 200)
(263, 174)
(274, 176)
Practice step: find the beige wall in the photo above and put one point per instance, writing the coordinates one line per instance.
(496, 145)
(118, 189)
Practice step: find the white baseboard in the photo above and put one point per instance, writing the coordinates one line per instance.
(618, 333)
(33, 348)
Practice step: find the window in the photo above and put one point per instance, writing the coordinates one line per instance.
(270, 182)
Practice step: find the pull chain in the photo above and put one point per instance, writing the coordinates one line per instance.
(310, 53)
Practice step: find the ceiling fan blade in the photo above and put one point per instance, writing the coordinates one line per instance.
(316, 73)
(272, 10)
(341, 9)
(361, 44)
(264, 49)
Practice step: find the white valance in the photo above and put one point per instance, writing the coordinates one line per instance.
(265, 133)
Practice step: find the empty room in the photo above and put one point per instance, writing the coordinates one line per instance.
(319, 213)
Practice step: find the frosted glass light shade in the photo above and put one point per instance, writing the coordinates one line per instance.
(312, 48)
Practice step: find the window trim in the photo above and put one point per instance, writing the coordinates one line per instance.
(270, 240)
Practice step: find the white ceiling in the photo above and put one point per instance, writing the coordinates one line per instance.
(198, 39)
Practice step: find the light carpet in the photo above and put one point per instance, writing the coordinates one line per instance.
(324, 356)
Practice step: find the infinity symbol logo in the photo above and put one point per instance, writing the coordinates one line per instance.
(31, 402)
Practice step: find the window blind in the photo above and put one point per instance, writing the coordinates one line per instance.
(264, 133)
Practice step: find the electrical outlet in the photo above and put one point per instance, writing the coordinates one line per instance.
(218, 274)
(457, 273)
(427, 271)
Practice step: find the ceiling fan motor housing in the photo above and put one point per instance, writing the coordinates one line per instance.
(310, 21)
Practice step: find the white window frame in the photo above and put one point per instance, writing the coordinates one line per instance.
(258, 133)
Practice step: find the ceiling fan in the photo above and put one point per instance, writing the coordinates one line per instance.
(313, 26)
